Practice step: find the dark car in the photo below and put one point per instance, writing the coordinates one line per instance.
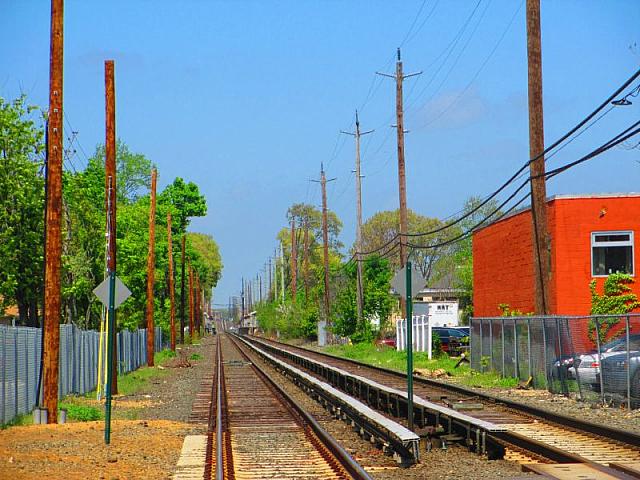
(453, 340)
(614, 370)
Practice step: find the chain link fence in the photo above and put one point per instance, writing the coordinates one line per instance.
(20, 354)
(596, 358)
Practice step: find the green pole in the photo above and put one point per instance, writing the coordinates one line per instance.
(409, 346)
(111, 330)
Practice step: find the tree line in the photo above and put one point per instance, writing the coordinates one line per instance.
(22, 203)
(450, 265)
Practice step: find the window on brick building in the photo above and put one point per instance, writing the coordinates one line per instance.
(611, 252)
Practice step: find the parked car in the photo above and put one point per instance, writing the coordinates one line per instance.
(587, 365)
(614, 371)
(453, 340)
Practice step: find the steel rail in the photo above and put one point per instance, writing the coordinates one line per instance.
(219, 426)
(493, 443)
(353, 467)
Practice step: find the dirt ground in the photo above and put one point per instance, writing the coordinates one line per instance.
(146, 437)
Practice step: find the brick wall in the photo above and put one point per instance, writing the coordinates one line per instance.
(503, 254)
(575, 220)
(503, 266)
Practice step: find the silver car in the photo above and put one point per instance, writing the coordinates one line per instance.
(587, 366)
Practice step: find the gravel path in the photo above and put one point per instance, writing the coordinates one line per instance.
(171, 397)
(146, 447)
(452, 464)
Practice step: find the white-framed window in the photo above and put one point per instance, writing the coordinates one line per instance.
(611, 252)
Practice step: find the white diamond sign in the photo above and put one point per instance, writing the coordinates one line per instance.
(102, 292)
(399, 282)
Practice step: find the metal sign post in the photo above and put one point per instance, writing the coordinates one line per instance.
(409, 301)
(110, 332)
(405, 282)
(112, 292)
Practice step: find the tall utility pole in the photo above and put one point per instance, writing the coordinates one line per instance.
(325, 241)
(242, 297)
(541, 240)
(191, 312)
(305, 251)
(275, 274)
(53, 242)
(182, 317)
(294, 260)
(151, 265)
(260, 287)
(172, 299)
(402, 183)
(359, 289)
(270, 284)
(282, 288)
(110, 198)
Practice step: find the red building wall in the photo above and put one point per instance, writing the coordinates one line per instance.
(503, 255)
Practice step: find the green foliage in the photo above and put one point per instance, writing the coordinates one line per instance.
(21, 208)
(384, 226)
(80, 413)
(617, 299)
(162, 356)
(195, 356)
(377, 301)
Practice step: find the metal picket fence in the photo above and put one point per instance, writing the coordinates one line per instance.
(596, 358)
(20, 353)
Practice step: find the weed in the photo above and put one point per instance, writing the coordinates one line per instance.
(195, 356)
(80, 413)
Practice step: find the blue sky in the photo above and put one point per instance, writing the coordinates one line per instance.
(246, 98)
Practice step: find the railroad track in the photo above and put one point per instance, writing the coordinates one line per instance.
(525, 434)
(261, 434)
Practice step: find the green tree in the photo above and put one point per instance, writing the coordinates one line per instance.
(377, 302)
(21, 209)
(383, 227)
(205, 255)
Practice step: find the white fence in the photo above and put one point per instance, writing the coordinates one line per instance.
(421, 334)
(20, 353)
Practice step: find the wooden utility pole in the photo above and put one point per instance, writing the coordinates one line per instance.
(325, 241)
(541, 240)
(111, 196)
(305, 250)
(242, 298)
(294, 260)
(53, 242)
(151, 264)
(191, 312)
(359, 289)
(402, 183)
(282, 288)
(172, 299)
(182, 317)
(270, 285)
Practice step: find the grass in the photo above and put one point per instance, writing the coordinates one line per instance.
(389, 357)
(25, 419)
(195, 356)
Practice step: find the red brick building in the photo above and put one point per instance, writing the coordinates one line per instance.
(591, 236)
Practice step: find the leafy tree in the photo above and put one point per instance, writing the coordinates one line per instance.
(377, 302)
(185, 201)
(21, 209)
(382, 227)
(205, 255)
